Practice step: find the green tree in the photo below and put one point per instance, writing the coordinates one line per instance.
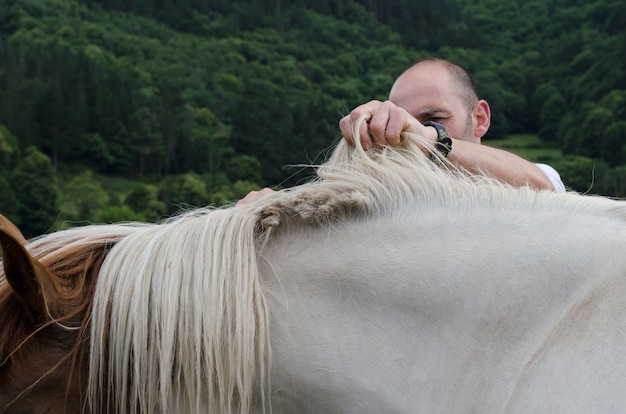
(146, 139)
(34, 184)
(244, 167)
(9, 150)
(208, 150)
(614, 148)
(550, 104)
(164, 87)
(179, 191)
(116, 214)
(614, 182)
(9, 204)
(582, 174)
(144, 200)
(83, 197)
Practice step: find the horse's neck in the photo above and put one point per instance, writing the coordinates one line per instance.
(428, 302)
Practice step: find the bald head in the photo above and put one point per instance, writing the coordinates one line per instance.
(438, 90)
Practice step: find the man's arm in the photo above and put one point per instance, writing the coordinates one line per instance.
(498, 163)
(386, 121)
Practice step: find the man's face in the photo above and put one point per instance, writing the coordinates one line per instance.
(427, 92)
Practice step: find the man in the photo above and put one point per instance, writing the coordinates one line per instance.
(439, 91)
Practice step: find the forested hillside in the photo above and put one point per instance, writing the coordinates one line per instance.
(119, 109)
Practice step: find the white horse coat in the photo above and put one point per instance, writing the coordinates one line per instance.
(439, 312)
(391, 285)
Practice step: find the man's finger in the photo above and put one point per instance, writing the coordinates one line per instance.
(253, 196)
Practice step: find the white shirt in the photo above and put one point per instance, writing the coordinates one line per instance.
(553, 176)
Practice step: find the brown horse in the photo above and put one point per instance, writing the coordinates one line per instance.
(46, 291)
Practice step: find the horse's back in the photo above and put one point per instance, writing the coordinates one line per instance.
(513, 311)
(580, 367)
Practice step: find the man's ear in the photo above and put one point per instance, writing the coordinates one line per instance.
(481, 118)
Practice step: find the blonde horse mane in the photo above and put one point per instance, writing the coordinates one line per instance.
(179, 318)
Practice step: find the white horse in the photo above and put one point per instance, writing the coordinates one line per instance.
(389, 285)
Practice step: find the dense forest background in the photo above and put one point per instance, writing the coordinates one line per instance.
(131, 109)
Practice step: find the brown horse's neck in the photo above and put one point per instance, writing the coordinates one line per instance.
(68, 295)
(13, 328)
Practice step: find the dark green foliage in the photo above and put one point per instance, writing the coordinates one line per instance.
(582, 174)
(9, 150)
(9, 204)
(116, 214)
(35, 188)
(143, 199)
(83, 197)
(547, 105)
(126, 95)
(614, 182)
(244, 166)
(208, 98)
(183, 191)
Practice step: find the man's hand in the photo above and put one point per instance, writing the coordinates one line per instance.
(253, 196)
(384, 123)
